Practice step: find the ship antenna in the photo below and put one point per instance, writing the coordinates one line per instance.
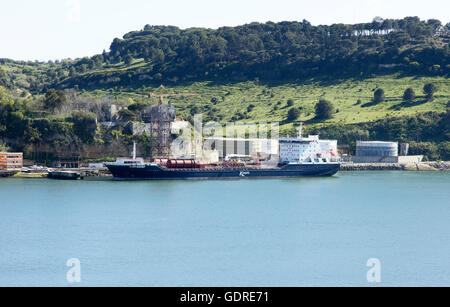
(134, 150)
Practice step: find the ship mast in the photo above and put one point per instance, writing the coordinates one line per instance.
(300, 131)
(134, 150)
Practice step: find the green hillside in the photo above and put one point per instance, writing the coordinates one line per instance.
(269, 52)
(250, 101)
(251, 73)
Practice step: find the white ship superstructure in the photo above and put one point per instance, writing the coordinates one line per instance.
(307, 150)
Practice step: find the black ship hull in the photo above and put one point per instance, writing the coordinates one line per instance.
(155, 172)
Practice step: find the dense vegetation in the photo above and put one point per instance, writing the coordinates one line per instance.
(28, 125)
(268, 52)
(378, 80)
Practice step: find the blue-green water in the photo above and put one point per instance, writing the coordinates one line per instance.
(299, 232)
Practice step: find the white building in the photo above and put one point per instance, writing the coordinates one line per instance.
(239, 146)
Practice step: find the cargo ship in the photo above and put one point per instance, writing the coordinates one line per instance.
(298, 157)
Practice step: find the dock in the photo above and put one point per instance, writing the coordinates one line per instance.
(5, 174)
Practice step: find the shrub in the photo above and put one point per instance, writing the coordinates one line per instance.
(3, 146)
(84, 125)
(127, 115)
(430, 89)
(54, 99)
(293, 114)
(409, 95)
(378, 96)
(137, 107)
(324, 109)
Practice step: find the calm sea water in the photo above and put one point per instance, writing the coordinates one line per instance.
(299, 232)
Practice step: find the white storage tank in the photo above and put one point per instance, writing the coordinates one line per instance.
(376, 149)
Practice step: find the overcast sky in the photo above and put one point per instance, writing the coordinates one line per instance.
(57, 29)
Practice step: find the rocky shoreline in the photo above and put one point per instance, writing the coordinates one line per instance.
(423, 166)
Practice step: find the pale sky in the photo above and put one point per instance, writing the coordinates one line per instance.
(57, 29)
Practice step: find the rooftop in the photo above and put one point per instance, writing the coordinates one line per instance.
(376, 142)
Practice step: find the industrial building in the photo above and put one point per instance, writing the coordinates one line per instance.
(240, 146)
(376, 149)
(11, 161)
(383, 152)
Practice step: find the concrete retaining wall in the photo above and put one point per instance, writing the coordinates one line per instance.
(401, 159)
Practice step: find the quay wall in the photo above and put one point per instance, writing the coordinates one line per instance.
(423, 166)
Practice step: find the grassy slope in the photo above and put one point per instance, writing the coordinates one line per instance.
(271, 100)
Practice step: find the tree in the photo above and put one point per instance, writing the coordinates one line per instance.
(127, 115)
(83, 68)
(409, 95)
(378, 96)
(290, 103)
(54, 99)
(137, 106)
(134, 111)
(15, 122)
(293, 114)
(158, 56)
(430, 89)
(4, 80)
(84, 125)
(32, 135)
(324, 109)
(72, 71)
(4, 96)
(128, 59)
(3, 146)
